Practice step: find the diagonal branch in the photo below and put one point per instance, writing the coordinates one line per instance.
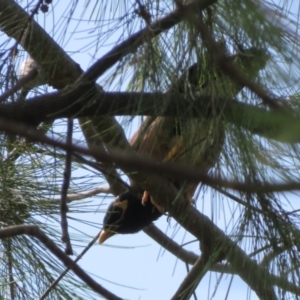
(34, 231)
(134, 41)
(191, 281)
(169, 244)
(273, 124)
(61, 276)
(57, 67)
(64, 191)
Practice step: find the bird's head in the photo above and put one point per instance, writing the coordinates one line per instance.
(127, 214)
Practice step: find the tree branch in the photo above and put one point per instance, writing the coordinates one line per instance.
(273, 124)
(134, 41)
(169, 244)
(64, 191)
(60, 70)
(57, 66)
(34, 231)
(58, 279)
(87, 194)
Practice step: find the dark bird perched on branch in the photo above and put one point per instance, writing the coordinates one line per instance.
(195, 142)
(127, 214)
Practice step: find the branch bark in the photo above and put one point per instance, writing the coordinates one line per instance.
(279, 125)
(34, 231)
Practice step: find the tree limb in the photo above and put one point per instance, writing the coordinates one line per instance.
(273, 124)
(64, 191)
(34, 231)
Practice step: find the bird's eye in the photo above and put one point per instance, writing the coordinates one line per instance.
(115, 214)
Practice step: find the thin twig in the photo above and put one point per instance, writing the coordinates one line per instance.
(84, 195)
(7, 245)
(64, 191)
(169, 244)
(57, 280)
(231, 70)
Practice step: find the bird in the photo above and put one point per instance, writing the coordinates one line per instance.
(126, 215)
(195, 142)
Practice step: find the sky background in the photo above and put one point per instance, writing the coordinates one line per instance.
(132, 266)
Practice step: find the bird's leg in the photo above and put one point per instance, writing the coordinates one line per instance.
(146, 197)
(170, 156)
(174, 152)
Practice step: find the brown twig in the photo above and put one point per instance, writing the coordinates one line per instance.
(64, 191)
(34, 231)
(9, 255)
(84, 195)
(61, 276)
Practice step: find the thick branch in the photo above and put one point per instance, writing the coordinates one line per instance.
(61, 276)
(273, 124)
(191, 281)
(64, 191)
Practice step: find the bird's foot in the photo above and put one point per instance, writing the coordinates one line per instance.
(146, 197)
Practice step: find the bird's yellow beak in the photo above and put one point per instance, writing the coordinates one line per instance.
(104, 235)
